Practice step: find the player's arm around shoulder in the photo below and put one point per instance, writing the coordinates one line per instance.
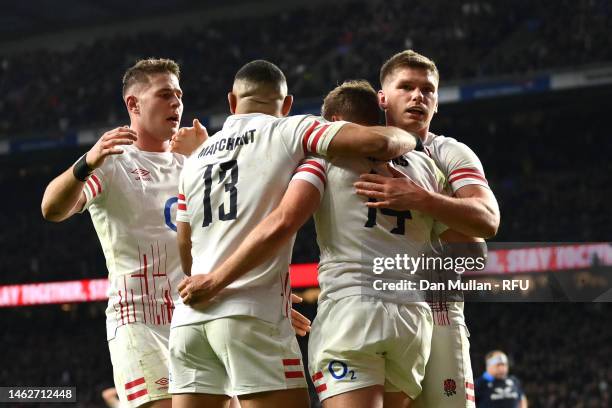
(65, 195)
(378, 142)
(305, 134)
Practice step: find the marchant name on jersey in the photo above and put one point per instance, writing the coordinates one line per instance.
(229, 143)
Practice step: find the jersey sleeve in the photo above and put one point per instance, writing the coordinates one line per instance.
(314, 171)
(306, 134)
(460, 164)
(96, 186)
(182, 213)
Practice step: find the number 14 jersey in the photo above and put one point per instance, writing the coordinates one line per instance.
(361, 245)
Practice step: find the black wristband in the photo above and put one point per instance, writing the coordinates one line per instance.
(81, 170)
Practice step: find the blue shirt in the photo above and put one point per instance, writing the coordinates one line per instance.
(495, 393)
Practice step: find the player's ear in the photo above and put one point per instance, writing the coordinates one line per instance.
(287, 103)
(131, 102)
(233, 102)
(335, 118)
(436, 107)
(382, 100)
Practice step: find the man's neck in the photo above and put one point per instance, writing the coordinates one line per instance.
(147, 143)
(422, 133)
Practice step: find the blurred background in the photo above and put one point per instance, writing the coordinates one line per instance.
(525, 84)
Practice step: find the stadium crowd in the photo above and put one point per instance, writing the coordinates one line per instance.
(53, 92)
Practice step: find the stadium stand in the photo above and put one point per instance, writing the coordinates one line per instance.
(56, 91)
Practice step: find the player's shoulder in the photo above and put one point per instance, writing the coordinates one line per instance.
(514, 379)
(295, 121)
(445, 144)
(439, 142)
(481, 382)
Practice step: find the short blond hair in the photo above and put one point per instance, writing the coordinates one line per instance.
(407, 58)
(139, 72)
(356, 101)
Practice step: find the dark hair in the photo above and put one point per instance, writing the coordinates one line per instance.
(261, 72)
(356, 101)
(407, 58)
(139, 73)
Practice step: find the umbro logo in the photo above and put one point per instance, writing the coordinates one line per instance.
(141, 174)
(163, 383)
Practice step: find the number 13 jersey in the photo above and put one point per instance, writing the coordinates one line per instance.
(227, 187)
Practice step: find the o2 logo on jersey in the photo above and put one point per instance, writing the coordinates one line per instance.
(168, 212)
(339, 370)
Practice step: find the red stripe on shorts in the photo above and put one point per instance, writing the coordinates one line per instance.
(134, 383)
(317, 376)
(291, 361)
(294, 374)
(321, 388)
(137, 394)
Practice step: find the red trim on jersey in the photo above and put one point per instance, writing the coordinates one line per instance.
(321, 388)
(469, 385)
(134, 383)
(317, 376)
(465, 169)
(169, 305)
(137, 394)
(120, 307)
(470, 397)
(307, 135)
(317, 137)
(97, 181)
(294, 374)
(291, 361)
(315, 164)
(313, 171)
(182, 207)
(468, 175)
(92, 190)
(181, 197)
(144, 262)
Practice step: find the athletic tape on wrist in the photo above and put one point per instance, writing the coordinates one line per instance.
(81, 169)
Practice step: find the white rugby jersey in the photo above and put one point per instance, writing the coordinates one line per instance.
(462, 167)
(351, 235)
(227, 187)
(457, 161)
(132, 200)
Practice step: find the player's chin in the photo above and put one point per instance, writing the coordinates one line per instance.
(169, 129)
(413, 125)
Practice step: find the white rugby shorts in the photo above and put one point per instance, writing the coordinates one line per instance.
(140, 357)
(236, 355)
(357, 342)
(448, 381)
